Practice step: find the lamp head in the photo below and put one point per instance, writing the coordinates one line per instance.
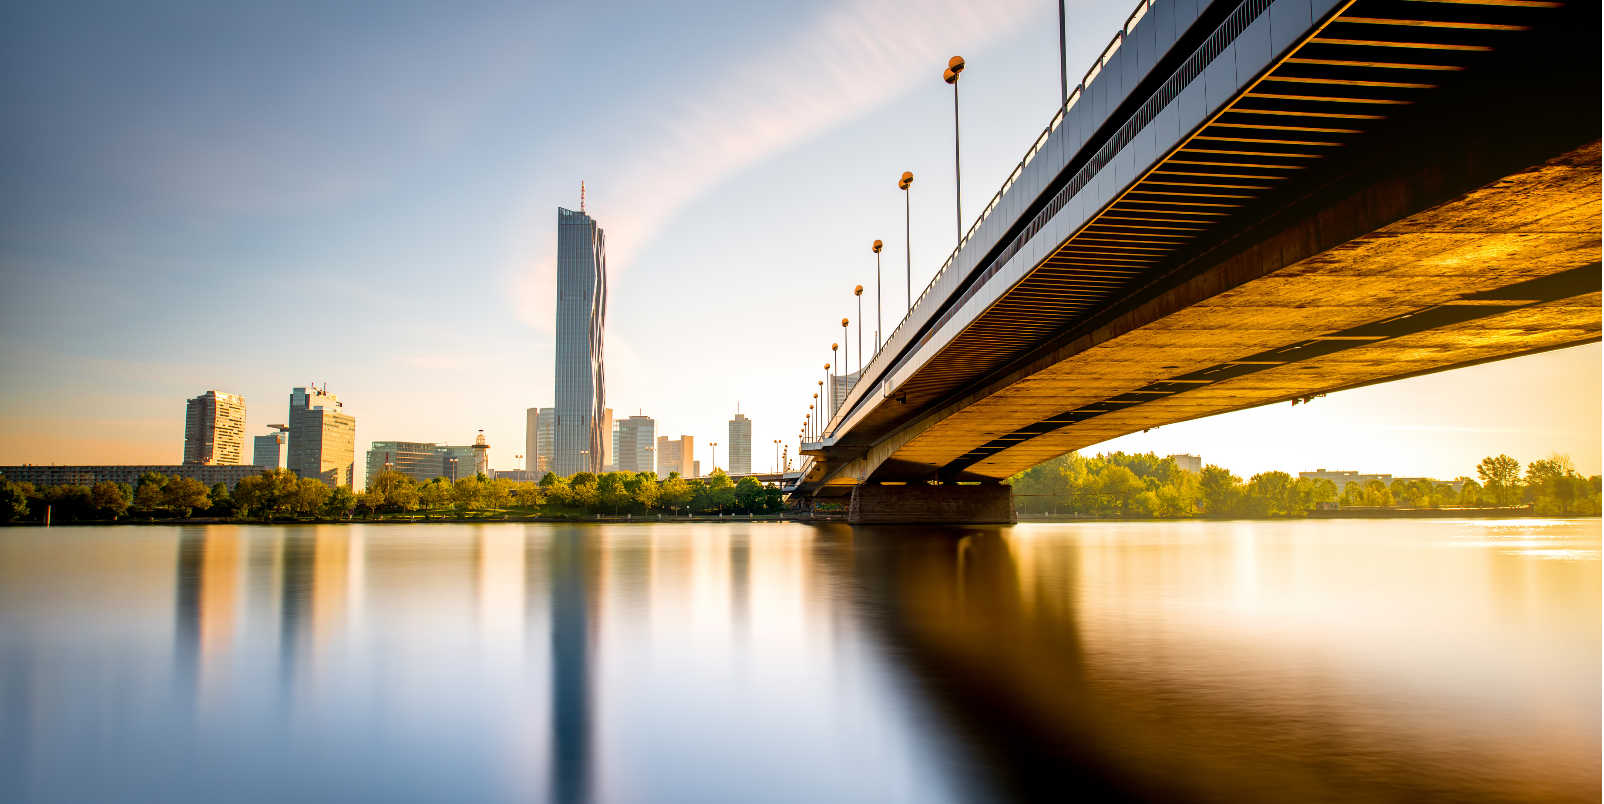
(877, 246)
(906, 181)
(857, 291)
(844, 323)
(956, 64)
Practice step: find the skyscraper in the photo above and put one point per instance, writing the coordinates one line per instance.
(676, 455)
(540, 439)
(740, 441)
(322, 439)
(268, 452)
(214, 430)
(582, 436)
(456, 462)
(636, 447)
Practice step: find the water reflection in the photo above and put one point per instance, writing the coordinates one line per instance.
(1191, 662)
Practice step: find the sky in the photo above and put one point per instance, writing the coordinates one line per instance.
(250, 197)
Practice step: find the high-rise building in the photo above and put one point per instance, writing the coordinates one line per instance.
(322, 439)
(840, 386)
(582, 434)
(1188, 463)
(676, 455)
(740, 441)
(268, 451)
(415, 459)
(540, 440)
(636, 448)
(214, 430)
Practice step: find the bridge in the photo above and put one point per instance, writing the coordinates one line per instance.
(1243, 203)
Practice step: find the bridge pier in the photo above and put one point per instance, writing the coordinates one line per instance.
(922, 503)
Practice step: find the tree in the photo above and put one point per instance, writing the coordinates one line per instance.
(435, 494)
(13, 501)
(106, 497)
(149, 493)
(309, 496)
(222, 500)
(1500, 480)
(610, 491)
(582, 490)
(646, 490)
(1221, 491)
(1469, 493)
(720, 491)
(527, 495)
(185, 494)
(675, 492)
(1273, 494)
(1119, 484)
(371, 501)
(467, 493)
(497, 493)
(749, 495)
(340, 501)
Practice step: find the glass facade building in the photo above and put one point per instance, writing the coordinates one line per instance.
(416, 459)
(637, 445)
(268, 450)
(582, 436)
(540, 440)
(740, 441)
(322, 438)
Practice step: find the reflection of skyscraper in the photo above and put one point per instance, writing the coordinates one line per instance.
(740, 441)
(214, 430)
(582, 436)
(322, 439)
(570, 669)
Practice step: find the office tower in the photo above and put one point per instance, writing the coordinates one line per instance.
(608, 443)
(322, 439)
(740, 445)
(840, 386)
(415, 459)
(612, 449)
(582, 433)
(456, 462)
(636, 448)
(214, 430)
(1189, 463)
(676, 455)
(540, 440)
(269, 450)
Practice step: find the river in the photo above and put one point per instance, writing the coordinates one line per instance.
(1374, 661)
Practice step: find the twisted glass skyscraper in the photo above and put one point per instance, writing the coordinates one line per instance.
(581, 313)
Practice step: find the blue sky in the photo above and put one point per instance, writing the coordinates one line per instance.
(250, 197)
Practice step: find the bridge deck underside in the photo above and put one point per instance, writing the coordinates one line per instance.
(1288, 247)
(1443, 265)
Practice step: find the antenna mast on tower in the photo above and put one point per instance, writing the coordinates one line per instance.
(581, 196)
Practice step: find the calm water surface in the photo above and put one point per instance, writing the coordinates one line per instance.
(1241, 662)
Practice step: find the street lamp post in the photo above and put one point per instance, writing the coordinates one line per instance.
(776, 455)
(878, 325)
(1063, 60)
(846, 368)
(858, 291)
(907, 227)
(714, 445)
(955, 66)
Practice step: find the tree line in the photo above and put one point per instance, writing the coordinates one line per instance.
(280, 494)
(1147, 486)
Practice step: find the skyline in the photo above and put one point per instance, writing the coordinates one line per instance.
(740, 204)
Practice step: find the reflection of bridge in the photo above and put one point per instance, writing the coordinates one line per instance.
(1266, 201)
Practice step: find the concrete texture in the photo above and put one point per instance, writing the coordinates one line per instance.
(922, 503)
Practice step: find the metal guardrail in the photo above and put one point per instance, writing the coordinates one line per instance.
(1019, 170)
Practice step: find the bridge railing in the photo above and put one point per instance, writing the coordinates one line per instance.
(1058, 117)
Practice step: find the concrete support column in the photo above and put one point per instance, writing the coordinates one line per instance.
(922, 503)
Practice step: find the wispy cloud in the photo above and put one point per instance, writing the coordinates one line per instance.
(850, 59)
